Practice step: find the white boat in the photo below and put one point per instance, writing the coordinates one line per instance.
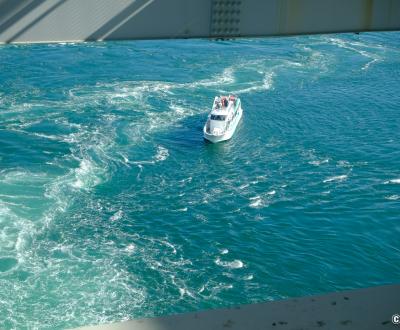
(223, 118)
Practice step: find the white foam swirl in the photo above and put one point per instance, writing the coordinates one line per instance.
(235, 264)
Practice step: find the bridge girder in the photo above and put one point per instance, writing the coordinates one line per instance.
(77, 20)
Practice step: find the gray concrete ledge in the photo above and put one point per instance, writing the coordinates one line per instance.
(31, 21)
(366, 309)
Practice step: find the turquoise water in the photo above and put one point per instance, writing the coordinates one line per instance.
(113, 207)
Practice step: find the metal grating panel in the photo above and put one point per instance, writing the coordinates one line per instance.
(225, 18)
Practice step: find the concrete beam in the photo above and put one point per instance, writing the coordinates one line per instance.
(77, 20)
(362, 309)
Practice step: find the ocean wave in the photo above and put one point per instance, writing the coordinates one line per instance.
(124, 93)
(226, 77)
(394, 181)
(315, 59)
(85, 175)
(265, 85)
(21, 177)
(319, 162)
(130, 248)
(358, 48)
(162, 154)
(16, 233)
(117, 216)
(344, 163)
(224, 251)
(235, 264)
(337, 178)
(263, 200)
(256, 202)
(185, 291)
(393, 197)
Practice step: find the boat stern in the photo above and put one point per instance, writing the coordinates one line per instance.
(213, 138)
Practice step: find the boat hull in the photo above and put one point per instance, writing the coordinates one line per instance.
(227, 135)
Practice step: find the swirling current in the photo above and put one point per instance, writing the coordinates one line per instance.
(112, 206)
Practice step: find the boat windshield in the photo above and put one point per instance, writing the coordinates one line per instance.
(218, 117)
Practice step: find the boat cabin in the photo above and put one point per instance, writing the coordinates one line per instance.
(223, 111)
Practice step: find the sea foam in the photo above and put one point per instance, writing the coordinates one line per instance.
(235, 264)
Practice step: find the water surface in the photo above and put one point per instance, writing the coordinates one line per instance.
(113, 207)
